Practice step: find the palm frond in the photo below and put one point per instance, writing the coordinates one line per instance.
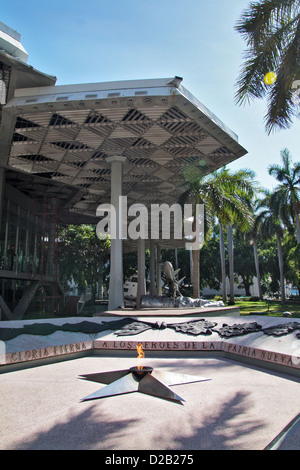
(296, 174)
(281, 98)
(259, 19)
(271, 29)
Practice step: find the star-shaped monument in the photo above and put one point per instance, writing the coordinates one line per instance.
(142, 379)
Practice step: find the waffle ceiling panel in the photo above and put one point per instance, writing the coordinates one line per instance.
(65, 134)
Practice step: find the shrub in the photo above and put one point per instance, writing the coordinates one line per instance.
(218, 297)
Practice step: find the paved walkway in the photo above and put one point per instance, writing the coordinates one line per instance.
(240, 408)
(172, 312)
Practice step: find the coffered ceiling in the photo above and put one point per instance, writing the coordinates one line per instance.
(63, 135)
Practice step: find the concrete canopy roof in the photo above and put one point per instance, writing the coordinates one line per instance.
(63, 134)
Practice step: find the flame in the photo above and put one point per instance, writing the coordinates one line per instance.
(141, 353)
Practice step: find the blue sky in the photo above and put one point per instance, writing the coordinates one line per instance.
(106, 40)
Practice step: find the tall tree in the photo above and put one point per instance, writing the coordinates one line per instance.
(243, 263)
(82, 254)
(225, 196)
(286, 197)
(271, 29)
(251, 237)
(255, 235)
(201, 191)
(270, 225)
(238, 189)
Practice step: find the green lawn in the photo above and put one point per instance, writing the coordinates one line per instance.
(272, 308)
(246, 307)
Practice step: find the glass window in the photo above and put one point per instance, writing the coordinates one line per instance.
(11, 247)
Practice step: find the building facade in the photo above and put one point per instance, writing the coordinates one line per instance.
(66, 150)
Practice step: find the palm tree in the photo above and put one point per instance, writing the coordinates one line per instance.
(252, 236)
(254, 233)
(199, 192)
(239, 188)
(271, 29)
(224, 196)
(270, 224)
(286, 197)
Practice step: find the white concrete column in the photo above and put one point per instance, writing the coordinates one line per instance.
(191, 267)
(116, 296)
(152, 268)
(158, 270)
(2, 184)
(141, 288)
(52, 217)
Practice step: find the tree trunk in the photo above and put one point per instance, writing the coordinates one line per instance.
(195, 257)
(196, 283)
(223, 266)
(281, 267)
(297, 225)
(191, 266)
(100, 280)
(246, 285)
(230, 258)
(176, 257)
(255, 252)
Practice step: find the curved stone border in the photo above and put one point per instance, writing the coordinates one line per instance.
(203, 336)
(46, 352)
(225, 347)
(288, 433)
(261, 357)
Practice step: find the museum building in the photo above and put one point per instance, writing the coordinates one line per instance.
(65, 150)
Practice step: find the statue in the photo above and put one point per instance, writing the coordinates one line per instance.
(171, 281)
(174, 298)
